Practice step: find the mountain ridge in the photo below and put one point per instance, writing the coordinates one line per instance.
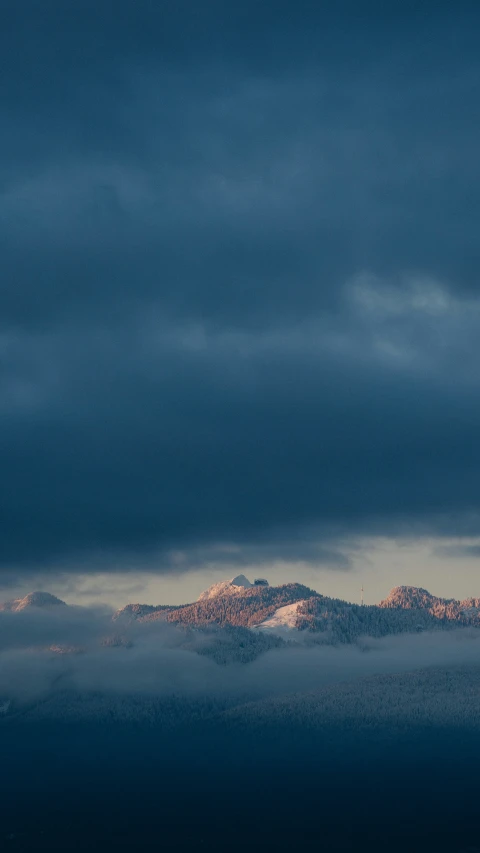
(256, 625)
(292, 607)
(32, 599)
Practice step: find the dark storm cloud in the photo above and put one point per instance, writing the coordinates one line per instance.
(239, 263)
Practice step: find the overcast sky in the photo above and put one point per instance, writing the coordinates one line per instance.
(239, 302)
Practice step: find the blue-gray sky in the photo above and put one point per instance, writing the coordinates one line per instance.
(239, 304)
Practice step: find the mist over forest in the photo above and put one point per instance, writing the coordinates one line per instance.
(266, 729)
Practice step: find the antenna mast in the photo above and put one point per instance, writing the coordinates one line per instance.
(361, 591)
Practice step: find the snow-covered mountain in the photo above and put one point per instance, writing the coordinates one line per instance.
(230, 587)
(284, 620)
(33, 599)
(235, 622)
(287, 610)
(132, 612)
(416, 598)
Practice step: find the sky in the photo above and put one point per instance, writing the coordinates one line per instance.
(239, 303)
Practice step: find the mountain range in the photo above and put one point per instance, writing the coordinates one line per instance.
(243, 653)
(291, 611)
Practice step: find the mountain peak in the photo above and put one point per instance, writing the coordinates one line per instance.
(33, 599)
(230, 587)
(131, 612)
(409, 597)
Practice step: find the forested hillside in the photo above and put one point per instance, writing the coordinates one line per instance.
(246, 609)
(237, 621)
(416, 598)
(324, 619)
(433, 696)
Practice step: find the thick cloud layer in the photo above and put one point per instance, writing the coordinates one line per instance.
(81, 650)
(239, 308)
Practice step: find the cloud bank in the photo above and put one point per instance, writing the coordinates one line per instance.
(160, 660)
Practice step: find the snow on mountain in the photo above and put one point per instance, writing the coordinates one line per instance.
(409, 597)
(230, 587)
(33, 599)
(132, 612)
(284, 619)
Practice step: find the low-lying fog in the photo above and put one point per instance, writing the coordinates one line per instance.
(159, 659)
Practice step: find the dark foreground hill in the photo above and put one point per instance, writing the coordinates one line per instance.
(334, 770)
